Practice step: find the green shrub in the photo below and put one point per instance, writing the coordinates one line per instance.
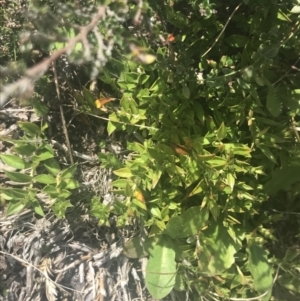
(209, 100)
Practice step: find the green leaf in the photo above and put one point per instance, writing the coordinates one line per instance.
(131, 77)
(124, 172)
(29, 128)
(14, 194)
(88, 97)
(282, 16)
(68, 172)
(188, 224)
(14, 161)
(230, 181)
(161, 269)
(120, 183)
(39, 108)
(295, 9)
(236, 41)
(111, 127)
(273, 102)
(18, 177)
(37, 208)
(282, 179)
(52, 166)
(199, 112)
(267, 153)
(25, 149)
(289, 282)
(156, 212)
(197, 189)
(60, 207)
(14, 207)
(72, 184)
(238, 149)
(106, 78)
(155, 177)
(174, 226)
(133, 248)
(45, 179)
(260, 270)
(291, 254)
(218, 251)
(186, 92)
(45, 153)
(221, 133)
(268, 51)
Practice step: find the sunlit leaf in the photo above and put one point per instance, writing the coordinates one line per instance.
(52, 166)
(161, 269)
(124, 172)
(45, 179)
(14, 161)
(295, 9)
(189, 223)
(18, 177)
(138, 194)
(260, 269)
(110, 127)
(14, 207)
(219, 252)
(37, 208)
(221, 133)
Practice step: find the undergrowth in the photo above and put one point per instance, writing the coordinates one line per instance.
(208, 95)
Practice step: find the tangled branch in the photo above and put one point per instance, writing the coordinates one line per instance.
(34, 73)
